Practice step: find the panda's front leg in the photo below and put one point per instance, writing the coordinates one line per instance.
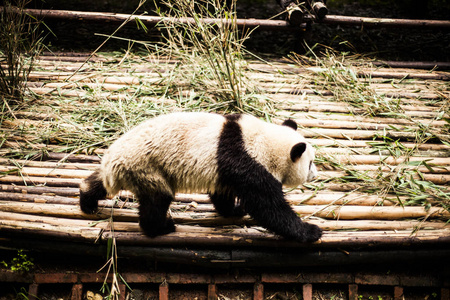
(153, 209)
(268, 207)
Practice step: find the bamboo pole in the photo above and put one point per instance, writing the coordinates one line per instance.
(329, 239)
(413, 64)
(44, 190)
(49, 164)
(153, 20)
(359, 134)
(251, 23)
(436, 179)
(46, 172)
(49, 181)
(380, 22)
(370, 151)
(384, 73)
(377, 159)
(346, 212)
(66, 232)
(365, 144)
(351, 212)
(365, 225)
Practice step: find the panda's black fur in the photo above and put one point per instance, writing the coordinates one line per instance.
(243, 185)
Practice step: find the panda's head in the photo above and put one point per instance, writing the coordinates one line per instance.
(301, 167)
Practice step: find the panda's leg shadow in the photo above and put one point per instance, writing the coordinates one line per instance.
(153, 209)
(226, 204)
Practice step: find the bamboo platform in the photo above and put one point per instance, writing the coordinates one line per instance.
(39, 195)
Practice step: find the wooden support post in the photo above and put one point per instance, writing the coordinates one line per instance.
(307, 291)
(320, 9)
(77, 292)
(295, 14)
(122, 291)
(212, 291)
(258, 291)
(352, 291)
(164, 291)
(445, 293)
(398, 293)
(33, 291)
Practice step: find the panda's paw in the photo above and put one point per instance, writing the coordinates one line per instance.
(238, 212)
(311, 233)
(89, 208)
(153, 231)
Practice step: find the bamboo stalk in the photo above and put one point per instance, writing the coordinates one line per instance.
(153, 20)
(49, 181)
(341, 106)
(413, 64)
(46, 172)
(359, 134)
(117, 82)
(436, 179)
(334, 124)
(364, 144)
(351, 212)
(373, 168)
(44, 190)
(251, 23)
(380, 22)
(48, 226)
(377, 159)
(324, 224)
(49, 164)
(53, 221)
(329, 239)
(364, 121)
(368, 73)
(65, 232)
(38, 198)
(369, 151)
(347, 212)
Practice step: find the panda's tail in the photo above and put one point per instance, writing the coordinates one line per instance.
(91, 190)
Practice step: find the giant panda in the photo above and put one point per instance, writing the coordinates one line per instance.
(241, 161)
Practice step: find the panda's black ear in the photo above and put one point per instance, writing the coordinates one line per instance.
(297, 151)
(290, 123)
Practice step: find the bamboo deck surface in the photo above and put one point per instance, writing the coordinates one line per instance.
(39, 196)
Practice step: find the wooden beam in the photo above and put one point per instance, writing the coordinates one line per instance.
(353, 292)
(107, 17)
(243, 23)
(380, 22)
(164, 291)
(258, 291)
(307, 291)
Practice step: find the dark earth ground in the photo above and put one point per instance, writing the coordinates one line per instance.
(386, 44)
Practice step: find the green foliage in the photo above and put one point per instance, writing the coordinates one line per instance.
(211, 56)
(21, 263)
(21, 42)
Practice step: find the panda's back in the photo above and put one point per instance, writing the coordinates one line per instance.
(179, 148)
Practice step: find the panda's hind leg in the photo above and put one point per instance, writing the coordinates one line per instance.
(153, 213)
(225, 204)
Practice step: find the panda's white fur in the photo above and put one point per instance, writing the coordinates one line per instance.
(185, 152)
(188, 152)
